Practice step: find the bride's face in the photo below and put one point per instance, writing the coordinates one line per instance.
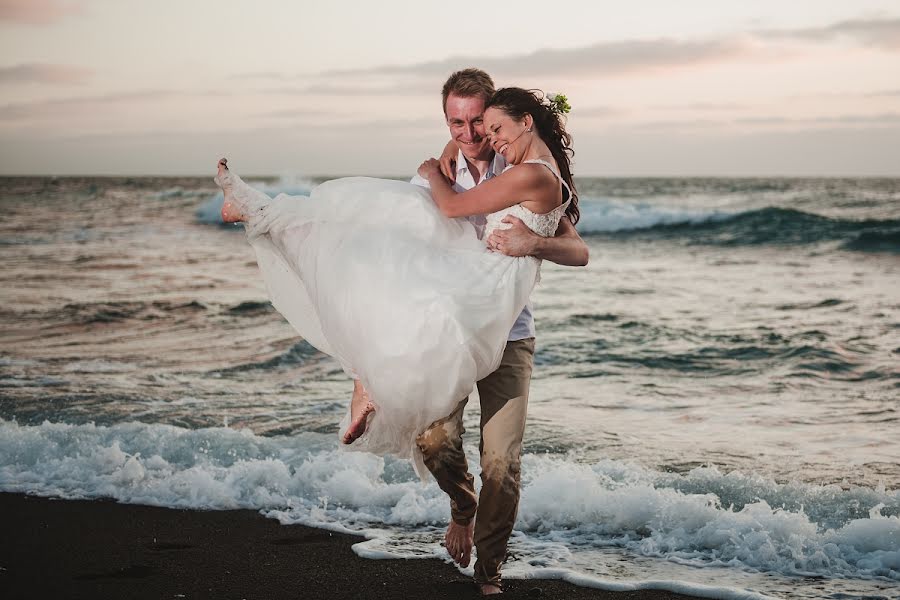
(507, 135)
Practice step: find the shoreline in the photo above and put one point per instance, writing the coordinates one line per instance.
(58, 548)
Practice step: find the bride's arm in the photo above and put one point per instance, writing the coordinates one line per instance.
(448, 166)
(515, 186)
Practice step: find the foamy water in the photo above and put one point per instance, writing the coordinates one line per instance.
(713, 409)
(570, 513)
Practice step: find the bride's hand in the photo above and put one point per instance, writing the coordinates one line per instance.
(429, 167)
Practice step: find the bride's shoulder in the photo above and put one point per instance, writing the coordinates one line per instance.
(538, 174)
(532, 171)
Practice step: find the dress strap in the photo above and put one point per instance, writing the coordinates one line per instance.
(568, 195)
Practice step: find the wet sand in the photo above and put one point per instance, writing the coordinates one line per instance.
(100, 549)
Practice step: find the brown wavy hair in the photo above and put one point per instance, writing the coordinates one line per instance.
(550, 125)
(468, 83)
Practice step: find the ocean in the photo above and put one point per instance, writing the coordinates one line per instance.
(714, 407)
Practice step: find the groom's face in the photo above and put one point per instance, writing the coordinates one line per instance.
(465, 118)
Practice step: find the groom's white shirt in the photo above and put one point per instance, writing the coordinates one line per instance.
(523, 328)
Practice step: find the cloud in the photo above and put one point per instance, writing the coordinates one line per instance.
(418, 88)
(38, 12)
(598, 111)
(354, 128)
(883, 94)
(764, 122)
(264, 75)
(63, 107)
(298, 113)
(45, 73)
(681, 124)
(598, 59)
(832, 120)
(882, 33)
(642, 55)
(701, 106)
(801, 152)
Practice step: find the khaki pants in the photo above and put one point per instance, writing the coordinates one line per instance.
(504, 402)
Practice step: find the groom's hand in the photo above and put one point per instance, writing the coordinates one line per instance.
(518, 240)
(448, 160)
(448, 168)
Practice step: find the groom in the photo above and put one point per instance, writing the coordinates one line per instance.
(488, 520)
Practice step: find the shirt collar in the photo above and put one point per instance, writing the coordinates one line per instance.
(498, 165)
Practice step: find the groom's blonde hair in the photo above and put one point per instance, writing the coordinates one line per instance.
(468, 83)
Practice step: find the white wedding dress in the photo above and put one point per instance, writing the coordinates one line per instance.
(407, 300)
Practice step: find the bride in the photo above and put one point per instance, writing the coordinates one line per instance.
(410, 302)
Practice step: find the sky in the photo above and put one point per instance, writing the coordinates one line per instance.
(339, 87)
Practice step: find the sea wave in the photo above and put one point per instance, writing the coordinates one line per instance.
(615, 343)
(293, 185)
(702, 518)
(770, 225)
(92, 313)
(728, 226)
(300, 353)
(609, 216)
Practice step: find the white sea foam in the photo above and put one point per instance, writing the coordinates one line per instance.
(606, 215)
(679, 587)
(293, 185)
(638, 510)
(566, 507)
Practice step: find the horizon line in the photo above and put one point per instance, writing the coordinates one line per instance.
(407, 176)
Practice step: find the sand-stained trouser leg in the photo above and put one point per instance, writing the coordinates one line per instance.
(504, 403)
(442, 453)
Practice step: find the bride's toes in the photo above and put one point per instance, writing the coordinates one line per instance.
(230, 211)
(223, 176)
(358, 424)
(222, 172)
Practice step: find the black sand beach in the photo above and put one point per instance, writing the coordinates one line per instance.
(100, 549)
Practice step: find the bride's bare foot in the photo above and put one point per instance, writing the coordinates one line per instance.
(230, 211)
(360, 407)
(458, 542)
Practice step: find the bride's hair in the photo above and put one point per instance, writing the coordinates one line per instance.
(517, 103)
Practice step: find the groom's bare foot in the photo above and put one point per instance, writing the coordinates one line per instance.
(230, 212)
(360, 407)
(458, 542)
(489, 589)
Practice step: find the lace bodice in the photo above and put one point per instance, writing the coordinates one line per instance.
(542, 224)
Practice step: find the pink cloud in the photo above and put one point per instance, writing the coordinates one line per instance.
(38, 12)
(45, 73)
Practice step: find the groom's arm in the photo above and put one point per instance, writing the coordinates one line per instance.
(565, 248)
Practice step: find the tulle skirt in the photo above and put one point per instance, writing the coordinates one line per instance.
(407, 300)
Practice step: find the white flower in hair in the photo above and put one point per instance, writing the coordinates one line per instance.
(559, 103)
